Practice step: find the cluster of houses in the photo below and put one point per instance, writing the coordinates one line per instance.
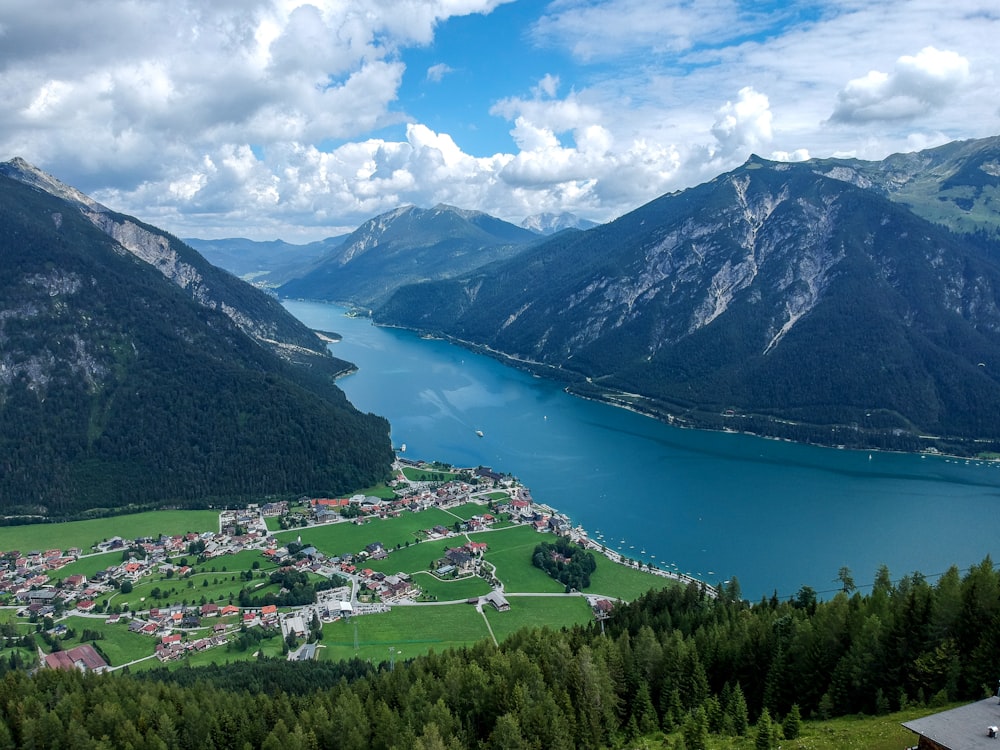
(23, 576)
(30, 577)
(461, 560)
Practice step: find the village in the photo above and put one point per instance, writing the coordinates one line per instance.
(31, 581)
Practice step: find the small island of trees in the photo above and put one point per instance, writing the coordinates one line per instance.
(568, 563)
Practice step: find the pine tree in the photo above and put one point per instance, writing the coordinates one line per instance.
(765, 732)
(696, 730)
(792, 725)
(737, 713)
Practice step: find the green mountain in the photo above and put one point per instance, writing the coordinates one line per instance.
(406, 246)
(135, 373)
(957, 185)
(772, 299)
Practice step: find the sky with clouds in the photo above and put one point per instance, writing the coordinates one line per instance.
(280, 119)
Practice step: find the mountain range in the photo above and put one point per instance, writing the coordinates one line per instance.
(405, 246)
(263, 264)
(805, 300)
(134, 373)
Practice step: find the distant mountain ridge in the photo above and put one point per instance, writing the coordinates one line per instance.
(407, 245)
(551, 223)
(957, 184)
(773, 299)
(133, 373)
(264, 264)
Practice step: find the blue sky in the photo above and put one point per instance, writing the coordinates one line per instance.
(284, 119)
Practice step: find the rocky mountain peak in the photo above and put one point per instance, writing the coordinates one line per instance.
(21, 170)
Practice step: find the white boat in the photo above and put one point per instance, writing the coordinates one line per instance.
(479, 433)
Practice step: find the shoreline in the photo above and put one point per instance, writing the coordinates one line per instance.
(568, 379)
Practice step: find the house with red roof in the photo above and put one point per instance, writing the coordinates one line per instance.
(83, 657)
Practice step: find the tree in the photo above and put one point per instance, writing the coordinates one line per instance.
(126, 587)
(846, 580)
(791, 727)
(765, 732)
(736, 711)
(695, 730)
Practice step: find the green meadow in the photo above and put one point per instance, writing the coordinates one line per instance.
(538, 612)
(410, 631)
(118, 644)
(84, 534)
(341, 538)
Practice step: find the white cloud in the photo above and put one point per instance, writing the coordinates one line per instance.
(743, 124)
(612, 28)
(435, 73)
(282, 118)
(916, 85)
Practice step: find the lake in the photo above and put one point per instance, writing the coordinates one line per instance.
(776, 515)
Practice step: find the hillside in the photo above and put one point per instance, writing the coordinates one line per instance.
(772, 299)
(406, 246)
(134, 373)
(956, 185)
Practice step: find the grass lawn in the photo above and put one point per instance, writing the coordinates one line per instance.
(341, 538)
(221, 587)
(413, 558)
(417, 474)
(87, 565)
(844, 733)
(612, 579)
(451, 590)
(468, 510)
(84, 534)
(409, 630)
(118, 643)
(383, 491)
(510, 550)
(537, 612)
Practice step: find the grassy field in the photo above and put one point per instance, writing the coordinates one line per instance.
(411, 631)
(612, 579)
(118, 644)
(84, 534)
(537, 612)
(87, 565)
(510, 550)
(844, 733)
(467, 511)
(341, 538)
(451, 590)
(418, 474)
(379, 490)
(216, 580)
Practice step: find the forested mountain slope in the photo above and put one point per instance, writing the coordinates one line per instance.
(773, 299)
(133, 373)
(405, 246)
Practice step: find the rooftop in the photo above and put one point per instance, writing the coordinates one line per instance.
(962, 728)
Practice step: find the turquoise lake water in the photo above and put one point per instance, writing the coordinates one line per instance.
(776, 515)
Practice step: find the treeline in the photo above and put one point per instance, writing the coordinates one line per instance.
(675, 661)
